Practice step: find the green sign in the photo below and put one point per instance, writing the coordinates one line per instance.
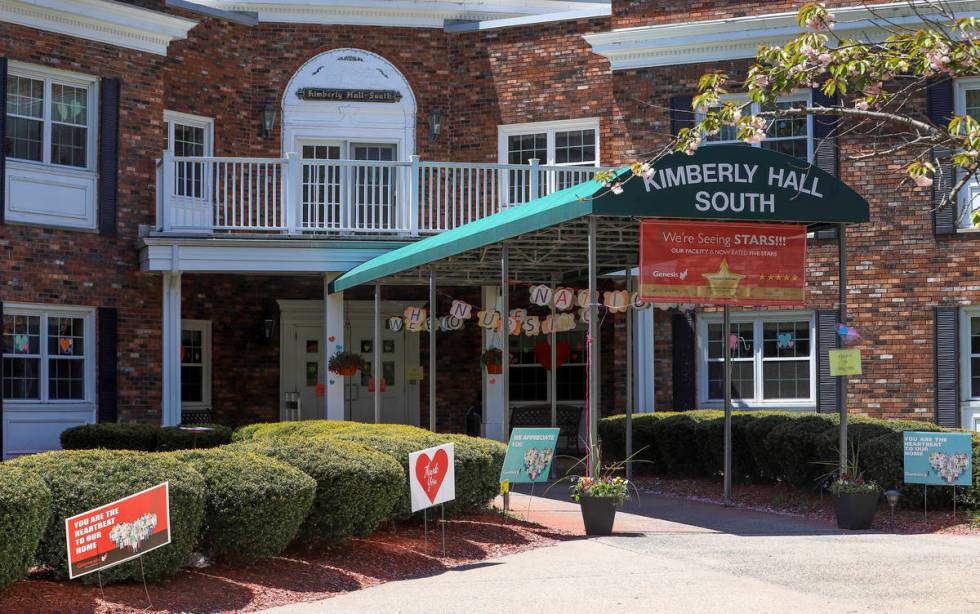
(736, 182)
(529, 455)
(845, 362)
(944, 459)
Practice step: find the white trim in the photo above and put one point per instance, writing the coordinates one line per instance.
(397, 13)
(494, 24)
(739, 37)
(194, 121)
(805, 96)
(550, 128)
(969, 404)
(971, 191)
(114, 23)
(87, 314)
(204, 326)
(757, 318)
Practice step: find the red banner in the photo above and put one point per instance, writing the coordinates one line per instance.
(718, 263)
(119, 531)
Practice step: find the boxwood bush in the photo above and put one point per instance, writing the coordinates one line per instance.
(80, 480)
(254, 505)
(177, 438)
(756, 433)
(792, 446)
(356, 487)
(676, 442)
(710, 436)
(25, 506)
(111, 436)
(612, 434)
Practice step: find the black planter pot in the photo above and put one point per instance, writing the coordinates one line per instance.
(598, 514)
(855, 511)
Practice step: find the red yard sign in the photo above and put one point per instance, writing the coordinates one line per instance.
(719, 263)
(117, 532)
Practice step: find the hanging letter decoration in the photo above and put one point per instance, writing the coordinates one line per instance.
(564, 299)
(415, 318)
(489, 318)
(541, 295)
(638, 303)
(448, 323)
(532, 326)
(395, 324)
(582, 298)
(566, 322)
(616, 301)
(461, 310)
(514, 326)
(520, 314)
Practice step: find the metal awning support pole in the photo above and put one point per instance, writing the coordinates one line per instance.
(376, 367)
(727, 385)
(505, 333)
(553, 371)
(433, 326)
(630, 396)
(842, 382)
(593, 339)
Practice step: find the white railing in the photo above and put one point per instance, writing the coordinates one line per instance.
(291, 195)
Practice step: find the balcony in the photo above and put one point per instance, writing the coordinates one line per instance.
(292, 196)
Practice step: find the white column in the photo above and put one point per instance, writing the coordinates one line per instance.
(377, 353)
(333, 337)
(170, 414)
(643, 359)
(493, 388)
(293, 179)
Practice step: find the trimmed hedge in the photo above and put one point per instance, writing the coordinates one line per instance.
(176, 438)
(756, 433)
(111, 436)
(356, 487)
(25, 506)
(612, 434)
(792, 446)
(80, 480)
(710, 436)
(254, 504)
(676, 441)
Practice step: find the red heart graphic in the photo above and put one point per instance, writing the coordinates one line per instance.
(430, 472)
(331, 338)
(542, 353)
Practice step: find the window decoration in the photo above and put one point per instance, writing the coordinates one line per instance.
(49, 119)
(47, 355)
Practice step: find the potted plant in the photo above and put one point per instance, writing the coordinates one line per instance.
(345, 363)
(599, 494)
(492, 360)
(855, 499)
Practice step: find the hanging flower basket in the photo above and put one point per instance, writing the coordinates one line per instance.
(493, 361)
(345, 363)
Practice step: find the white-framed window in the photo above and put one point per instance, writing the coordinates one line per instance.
(50, 146)
(529, 380)
(966, 101)
(189, 136)
(791, 135)
(569, 143)
(48, 354)
(195, 364)
(773, 361)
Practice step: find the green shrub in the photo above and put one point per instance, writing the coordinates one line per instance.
(861, 429)
(793, 448)
(756, 432)
(178, 438)
(612, 435)
(111, 436)
(25, 506)
(882, 459)
(710, 436)
(81, 480)
(304, 428)
(676, 442)
(356, 487)
(254, 504)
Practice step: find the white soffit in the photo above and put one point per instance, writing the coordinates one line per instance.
(398, 13)
(103, 21)
(740, 37)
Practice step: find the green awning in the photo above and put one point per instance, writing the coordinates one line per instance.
(723, 182)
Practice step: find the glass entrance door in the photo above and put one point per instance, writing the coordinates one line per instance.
(322, 187)
(374, 186)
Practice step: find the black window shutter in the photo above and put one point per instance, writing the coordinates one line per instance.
(681, 114)
(108, 155)
(684, 373)
(825, 155)
(947, 366)
(2, 452)
(939, 105)
(107, 356)
(3, 141)
(827, 339)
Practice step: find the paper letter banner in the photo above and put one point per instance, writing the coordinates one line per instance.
(514, 325)
(722, 263)
(541, 295)
(431, 476)
(488, 319)
(944, 459)
(119, 531)
(415, 318)
(395, 324)
(529, 455)
(461, 310)
(616, 302)
(564, 299)
(845, 362)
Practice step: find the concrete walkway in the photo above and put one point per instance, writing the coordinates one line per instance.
(670, 555)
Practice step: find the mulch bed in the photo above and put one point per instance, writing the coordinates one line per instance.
(784, 499)
(394, 553)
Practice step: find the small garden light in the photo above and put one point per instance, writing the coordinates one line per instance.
(892, 497)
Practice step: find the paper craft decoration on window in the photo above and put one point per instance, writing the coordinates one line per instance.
(582, 298)
(22, 344)
(461, 310)
(541, 295)
(617, 301)
(395, 324)
(564, 299)
(388, 346)
(489, 318)
(415, 318)
(532, 326)
(520, 314)
(514, 326)
(784, 341)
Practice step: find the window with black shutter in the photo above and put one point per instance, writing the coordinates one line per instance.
(939, 105)
(947, 366)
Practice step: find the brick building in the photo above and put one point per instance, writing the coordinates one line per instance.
(182, 180)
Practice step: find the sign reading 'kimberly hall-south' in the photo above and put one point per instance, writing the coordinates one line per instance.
(722, 263)
(730, 182)
(345, 95)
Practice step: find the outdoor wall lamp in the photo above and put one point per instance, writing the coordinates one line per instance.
(435, 122)
(892, 497)
(268, 118)
(268, 329)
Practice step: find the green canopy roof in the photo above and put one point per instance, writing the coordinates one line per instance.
(724, 182)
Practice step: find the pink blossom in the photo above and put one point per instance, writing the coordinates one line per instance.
(616, 188)
(872, 89)
(646, 170)
(861, 105)
(825, 59)
(923, 181)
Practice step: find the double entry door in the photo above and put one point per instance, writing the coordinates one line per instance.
(349, 186)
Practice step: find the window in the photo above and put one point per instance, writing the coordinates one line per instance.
(772, 361)
(790, 135)
(529, 379)
(47, 354)
(195, 364)
(967, 102)
(573, 143)
(189, 136)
